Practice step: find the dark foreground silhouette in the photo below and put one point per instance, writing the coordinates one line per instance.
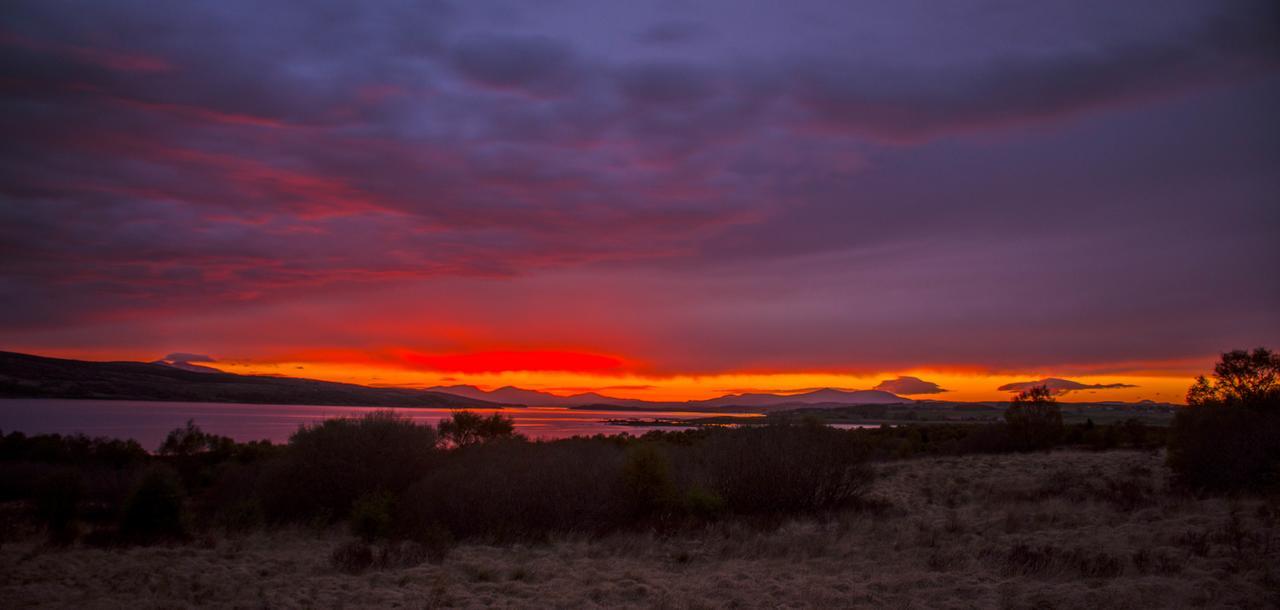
(1031, 503)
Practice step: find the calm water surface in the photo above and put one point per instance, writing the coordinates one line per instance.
(148, 422)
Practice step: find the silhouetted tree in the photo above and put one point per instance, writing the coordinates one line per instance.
(465, 428)
(328, 465)
(190, 440)
(1034, 419)
(1228, 436)
(1249, 379)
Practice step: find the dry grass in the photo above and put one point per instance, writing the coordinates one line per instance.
(1065, 529)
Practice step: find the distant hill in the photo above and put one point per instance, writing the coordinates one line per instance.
(535, 398)
(26, 376)
(752, 402)
(825, 396)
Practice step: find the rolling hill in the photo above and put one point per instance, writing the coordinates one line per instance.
(27, 376)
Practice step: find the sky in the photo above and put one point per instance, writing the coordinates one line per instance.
(654, 199)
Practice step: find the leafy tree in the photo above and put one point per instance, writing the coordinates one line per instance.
(327, 466)
(1228, 436)
(190, 440)
(1250, 379)
(465, 428)
(1034, 419)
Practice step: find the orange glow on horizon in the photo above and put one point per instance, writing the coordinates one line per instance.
(961, 386)
(1158, 381)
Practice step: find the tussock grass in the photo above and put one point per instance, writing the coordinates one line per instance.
(1066, 529)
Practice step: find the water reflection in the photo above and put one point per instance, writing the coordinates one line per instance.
(148, 422)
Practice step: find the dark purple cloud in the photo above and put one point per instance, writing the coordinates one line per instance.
(820, 186)
(908, 386)
(1061, 386)
(907, 102)
(188, 357)
(674, 32)
(535, 64)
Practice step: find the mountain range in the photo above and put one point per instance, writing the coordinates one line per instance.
(27, 376)
(751, 401)
(30, 376)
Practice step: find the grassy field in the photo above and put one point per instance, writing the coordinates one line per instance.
(1060, 529)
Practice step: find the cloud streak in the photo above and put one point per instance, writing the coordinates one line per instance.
(910, 386)
(1061, 386)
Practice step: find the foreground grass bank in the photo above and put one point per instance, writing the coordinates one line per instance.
(1064, 528)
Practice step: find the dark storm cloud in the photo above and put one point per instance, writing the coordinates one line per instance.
(908, 386)
(1061, 386)
(185, 357)
(666, 83)
(533, 63)
(904, 102)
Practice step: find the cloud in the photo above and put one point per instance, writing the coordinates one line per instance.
(500, 361)
(535, 64)
(915, 102)
(184, 357)
(674, 32)
(156, 169)
(666, 83)
(907, 386)
(1061, 386)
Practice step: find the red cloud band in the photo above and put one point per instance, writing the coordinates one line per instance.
(494, 362)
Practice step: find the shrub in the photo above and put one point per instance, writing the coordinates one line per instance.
(702, 504)
(646, 482)
(327, 466)
(465, 428)
(57, 504)
(1034, 419)
(520, 490)
(190, 440)
(240, 517)
(783, 469)
(371, 516)
(71, 449)
(401, 554)
(1228, 437)
(434, 539)
(154, 509)
(352, 557)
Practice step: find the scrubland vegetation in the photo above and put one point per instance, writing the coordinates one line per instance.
(1020, 513)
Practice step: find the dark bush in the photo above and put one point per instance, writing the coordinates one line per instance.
(72, 449)
(784, 469)
(154, 510)
(647, 484)
(1228, 437)
(1223, 448)
(57, 504)
(520, 490)
(240, 517)
(372, 515)
(327, 466)
(190, 440)
(1034, 420)
(465, 428)
(701, 504)
(352, 557)
(401, 554)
